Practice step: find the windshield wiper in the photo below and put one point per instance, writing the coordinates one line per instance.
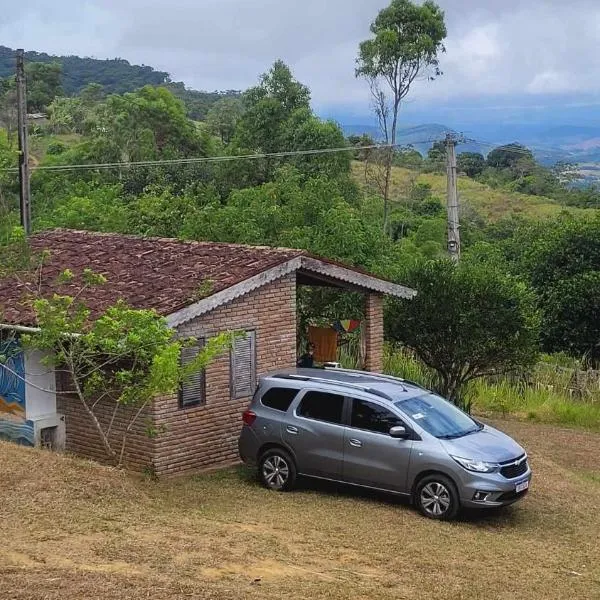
(450, 436)
(453, 436)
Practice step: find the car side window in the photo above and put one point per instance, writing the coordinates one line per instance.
(372, 417)
(278, 398)
(322, 407)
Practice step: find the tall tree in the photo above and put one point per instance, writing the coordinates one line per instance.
(44, 83)
(407, 40)
(471, 163)
(223, 117)
(268, 106)
(278, 118)
(488, 325)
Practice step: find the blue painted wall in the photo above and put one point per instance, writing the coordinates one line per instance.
(13, 424)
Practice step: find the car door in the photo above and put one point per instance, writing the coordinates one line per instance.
(314, 431)
(371, 456)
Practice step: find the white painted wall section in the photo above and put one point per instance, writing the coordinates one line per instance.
(40, 387)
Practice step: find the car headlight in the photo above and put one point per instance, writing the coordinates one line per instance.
(479, 466)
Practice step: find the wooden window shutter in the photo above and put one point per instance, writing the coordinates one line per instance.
(243, 366)
(193, 390)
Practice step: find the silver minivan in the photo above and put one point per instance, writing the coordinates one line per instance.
(379, 432)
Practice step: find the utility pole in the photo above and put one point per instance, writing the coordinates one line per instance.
(24, 188)
(453, 218)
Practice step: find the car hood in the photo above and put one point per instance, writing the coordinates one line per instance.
(489, 445)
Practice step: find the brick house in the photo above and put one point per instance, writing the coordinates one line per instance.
(244, 288)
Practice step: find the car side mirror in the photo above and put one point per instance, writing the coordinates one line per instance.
(399, 432)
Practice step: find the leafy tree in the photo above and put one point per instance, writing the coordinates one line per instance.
(278, 118)
(223, 116)
(67, 115)
(360, 141)
(100, 209)
(437, 152)
(304, 131)
(199, 103)
(145, 125)
(508, 156)
(92, 94)
(561, 259)
(488, 325)
(471, 163)
(8, 185)
(407, 40)
(408, 158)
(44, 83)
(8, 109)
(268, 106)
(572, 316)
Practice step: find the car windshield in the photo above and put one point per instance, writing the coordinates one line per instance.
(438, 417)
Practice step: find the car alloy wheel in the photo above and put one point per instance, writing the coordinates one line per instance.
(275, 472)
(435, 499)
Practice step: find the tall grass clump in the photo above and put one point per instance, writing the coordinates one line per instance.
(545, 394)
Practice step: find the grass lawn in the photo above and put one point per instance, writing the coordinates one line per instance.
(73, 530)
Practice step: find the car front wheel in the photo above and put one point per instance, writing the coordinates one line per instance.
(277, 470)
(436, 497)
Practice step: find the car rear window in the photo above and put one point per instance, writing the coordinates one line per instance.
(322, 407)
(278, 398)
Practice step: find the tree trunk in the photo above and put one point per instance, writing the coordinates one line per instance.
(97, 424)
(388, 169)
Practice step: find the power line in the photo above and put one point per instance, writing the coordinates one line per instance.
(207, 159)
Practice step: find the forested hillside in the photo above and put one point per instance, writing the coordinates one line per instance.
(115, 76)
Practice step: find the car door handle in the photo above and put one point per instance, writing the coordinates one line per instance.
(356, 443)
(292, 430)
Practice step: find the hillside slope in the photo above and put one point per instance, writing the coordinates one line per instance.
(490, 203)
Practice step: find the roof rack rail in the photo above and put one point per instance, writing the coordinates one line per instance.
(371, 374)
(356, 386)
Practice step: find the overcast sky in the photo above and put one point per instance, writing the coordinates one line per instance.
(498, 51)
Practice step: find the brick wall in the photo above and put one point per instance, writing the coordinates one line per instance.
(83, 438)
(374, 333)
(204, 436)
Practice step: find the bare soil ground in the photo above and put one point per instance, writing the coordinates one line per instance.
(73, 530)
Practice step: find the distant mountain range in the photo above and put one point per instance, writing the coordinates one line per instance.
(570, 143)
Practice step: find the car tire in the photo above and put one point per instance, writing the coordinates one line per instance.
(436, 497)
(276, 470)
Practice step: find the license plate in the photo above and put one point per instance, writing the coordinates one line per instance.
(521, 487)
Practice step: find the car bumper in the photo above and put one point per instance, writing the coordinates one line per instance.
(248, 446)
(489, 491)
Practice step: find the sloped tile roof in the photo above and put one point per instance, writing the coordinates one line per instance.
(176, 278)
(152, 273)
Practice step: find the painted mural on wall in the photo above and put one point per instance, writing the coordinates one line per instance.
(14, 425)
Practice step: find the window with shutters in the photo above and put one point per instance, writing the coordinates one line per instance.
(243, 366)
(192, 391)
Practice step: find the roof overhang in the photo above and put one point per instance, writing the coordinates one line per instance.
(312, 270)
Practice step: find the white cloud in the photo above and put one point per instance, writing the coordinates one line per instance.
(495, 48)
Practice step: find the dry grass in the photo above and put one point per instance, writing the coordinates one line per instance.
(74, 530)
(492, 204)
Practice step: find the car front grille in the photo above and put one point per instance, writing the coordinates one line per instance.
(514, 468)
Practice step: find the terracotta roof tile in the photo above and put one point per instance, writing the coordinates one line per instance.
(158, 273)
